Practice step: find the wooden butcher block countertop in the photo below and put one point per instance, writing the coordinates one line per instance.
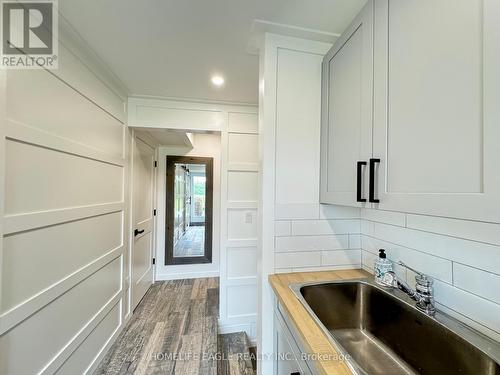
(312, 336)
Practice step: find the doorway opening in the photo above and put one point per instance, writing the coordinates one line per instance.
(189, 193)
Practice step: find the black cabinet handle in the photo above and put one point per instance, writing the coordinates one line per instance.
(295, 373)
(371, 197)
(359, 188)
(137, 232)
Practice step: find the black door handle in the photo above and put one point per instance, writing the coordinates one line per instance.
(371, 197)
(359, 188)
(137, 232)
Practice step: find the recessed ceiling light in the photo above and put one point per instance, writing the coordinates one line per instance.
(217, 80)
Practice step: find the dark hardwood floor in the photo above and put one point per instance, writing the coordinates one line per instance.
(173, 331)
(236, 354)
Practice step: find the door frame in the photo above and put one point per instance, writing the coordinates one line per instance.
(145, 138)
(171, 160)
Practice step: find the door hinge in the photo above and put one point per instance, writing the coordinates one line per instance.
(154, 212)
(154, 261)
(156, 164)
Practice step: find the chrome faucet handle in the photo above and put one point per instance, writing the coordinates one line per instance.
(423, 292)
(411, 269)
(421, 279)
(391, 280)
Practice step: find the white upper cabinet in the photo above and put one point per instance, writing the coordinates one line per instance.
(437, 107)
(429, 72)
(346, 122)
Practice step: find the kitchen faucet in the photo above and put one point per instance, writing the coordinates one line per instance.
(423, 293)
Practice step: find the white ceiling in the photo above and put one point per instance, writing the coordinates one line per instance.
(166, 137)
(171, 47)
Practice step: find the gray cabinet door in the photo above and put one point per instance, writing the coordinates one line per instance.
(346, 122)
(436, 107)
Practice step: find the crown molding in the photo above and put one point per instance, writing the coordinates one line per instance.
(194, 100)
(74, 42)
(261, 27)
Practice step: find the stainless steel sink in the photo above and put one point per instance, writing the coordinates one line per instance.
(382, 332)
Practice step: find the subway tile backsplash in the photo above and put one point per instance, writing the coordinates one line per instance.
(463, 256)
(312, 243)
(313, 237)
(325, 227)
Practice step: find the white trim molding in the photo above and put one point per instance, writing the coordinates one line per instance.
(270, 45)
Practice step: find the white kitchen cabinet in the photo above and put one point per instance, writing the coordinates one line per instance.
(346, 130)
(288, 355)
(285, 364)
(437, 107)
(432, 144)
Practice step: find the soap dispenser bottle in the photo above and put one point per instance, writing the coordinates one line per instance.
(382, 266)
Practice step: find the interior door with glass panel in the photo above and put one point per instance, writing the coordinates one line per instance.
(188, 223)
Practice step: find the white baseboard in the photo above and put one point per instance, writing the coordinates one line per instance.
(186, 275)
(127, 318)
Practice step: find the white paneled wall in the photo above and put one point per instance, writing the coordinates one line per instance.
(307, 236)
(64, 215)
(289, 128)
(239, 235)
(236, 166)
(181, 115)
(462, 256)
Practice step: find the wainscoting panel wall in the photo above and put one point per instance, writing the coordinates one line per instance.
(172, 114)
(240, 226)
(65, 212)
(462, 256)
